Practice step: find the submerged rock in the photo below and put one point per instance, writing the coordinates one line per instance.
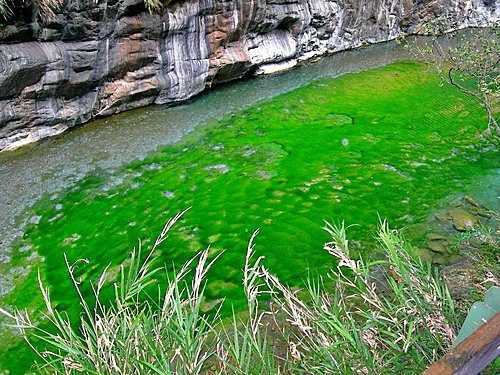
(222, 168)
(439, 247)
(462, 220)
(169, 194)
(442, 217)
(480, 211)
(471, 201)
(435, 236)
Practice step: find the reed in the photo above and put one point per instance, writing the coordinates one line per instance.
(371, 317)
(391, 315)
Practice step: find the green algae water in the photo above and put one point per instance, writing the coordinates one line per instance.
(385, 143)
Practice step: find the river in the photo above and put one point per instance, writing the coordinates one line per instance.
(121, 155)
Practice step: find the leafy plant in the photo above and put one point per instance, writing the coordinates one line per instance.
(472, 66)
(384, 316)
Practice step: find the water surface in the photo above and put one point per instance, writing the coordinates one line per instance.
(281, 154)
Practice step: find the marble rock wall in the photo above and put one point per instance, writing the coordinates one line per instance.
(100, 57)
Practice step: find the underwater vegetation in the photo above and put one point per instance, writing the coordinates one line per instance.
(390, 142)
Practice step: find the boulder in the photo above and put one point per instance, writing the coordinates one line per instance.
(439, 247)
(462, 220)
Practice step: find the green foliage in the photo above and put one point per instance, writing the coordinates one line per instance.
(472, 66)
(384, 316)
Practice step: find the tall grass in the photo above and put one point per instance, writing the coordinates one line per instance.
(369, 317)
(131, 335)
(374, 317)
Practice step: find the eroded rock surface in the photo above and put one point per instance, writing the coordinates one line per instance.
(102, 57)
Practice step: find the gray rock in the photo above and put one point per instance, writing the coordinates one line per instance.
(100, 58)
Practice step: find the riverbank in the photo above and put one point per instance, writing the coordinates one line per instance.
(95, 59)
(391, 141)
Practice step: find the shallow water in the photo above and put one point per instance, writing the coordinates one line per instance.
(390, 142)
(57, 163)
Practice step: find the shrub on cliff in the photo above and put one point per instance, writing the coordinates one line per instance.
(386, 316)
(46, 9)
(154, 6)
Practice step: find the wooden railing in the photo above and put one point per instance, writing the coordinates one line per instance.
(473, 354)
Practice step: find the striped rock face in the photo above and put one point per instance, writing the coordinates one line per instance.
(98, 58)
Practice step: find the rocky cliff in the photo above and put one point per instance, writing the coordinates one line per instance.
(99, 57)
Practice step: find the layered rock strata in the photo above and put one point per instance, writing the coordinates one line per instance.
(100, 57)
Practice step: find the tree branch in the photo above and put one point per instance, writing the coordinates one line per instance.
(460, 87)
